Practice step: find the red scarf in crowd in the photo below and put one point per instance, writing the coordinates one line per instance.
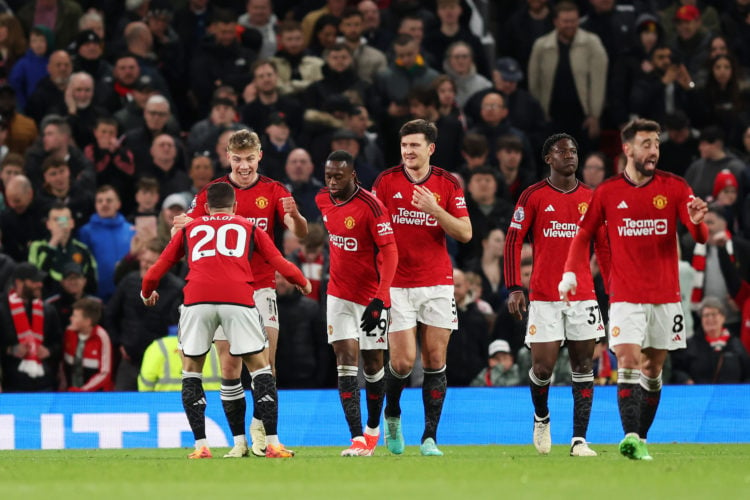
(720, 342)
(31, 335)
(699, 264)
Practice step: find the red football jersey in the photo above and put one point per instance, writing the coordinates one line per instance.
(260, 204)
(356, 229)
(552, 218)
(641, 224)
(423, 258)
(219, 250)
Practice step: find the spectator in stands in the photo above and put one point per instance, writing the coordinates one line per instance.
(13, 44)
(459, 65)
(167, 49)
(507, 326)
(664, 88)
(691, 45)
(713, 354)
(58, 188)
(311, 256)
(32, 67)
(57, 141)
(276, 144)
(259, 16)
(451, 31)
(375, 35)
(219, 60)
(22, 220)
(524, 110)
(701, 174)
(474, 151)
(723, 101)
(346, 140)
(87, 350)
(493, 123)
(423, 103)
(515, 176)
(31, 335)
(175, 204)
(161, 368)
(359, 123)
(531, 20)
(332, 8)
(119, 89)
(201, 172)
(487, 263)
(61, 16)
(133, 326)
(11, 165)
(51, 255)
(568, 75)
(502, 371)
(262, 97)
(191, 21)
(139, 42)
(301, 183)
(72, 285)
(303, 359)
(221, 117)
(22, 131)
(680, 147)
(49, 95)
(157, 114)
(296, 67)
(80, 111)
(467, 347)
(163, 166)
(88, 57)
(367, 59)
(736, 29)
(113, 162)
(107, 235)
(146, 199)
(595, 169)
(131, 115)
(669, 16)
(446, 90)
(340, 77)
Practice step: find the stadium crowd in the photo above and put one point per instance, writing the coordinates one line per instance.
(115, 115)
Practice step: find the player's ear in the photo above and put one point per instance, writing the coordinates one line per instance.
(205, 208)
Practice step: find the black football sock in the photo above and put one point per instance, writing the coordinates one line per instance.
(374, 391)
(349, 396)
(583, 396)
(629, 399)
(194, 403)
(650, 396)
(234, 404)
(539, 395)
(434, 386)
(266, 399)
(394, 386)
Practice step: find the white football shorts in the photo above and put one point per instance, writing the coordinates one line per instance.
(343, 319)
(429, 305)
(556, 321)
(241, 326)
(265, 302)
(660, 326)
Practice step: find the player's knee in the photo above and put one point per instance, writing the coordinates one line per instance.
(542, 371)
(402, 366)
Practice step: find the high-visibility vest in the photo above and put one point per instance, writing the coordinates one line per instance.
(161, 369)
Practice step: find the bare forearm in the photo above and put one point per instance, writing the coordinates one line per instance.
(457, 228)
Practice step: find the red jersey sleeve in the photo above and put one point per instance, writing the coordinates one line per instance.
(521, 223)
(170, 256)
(265, 246)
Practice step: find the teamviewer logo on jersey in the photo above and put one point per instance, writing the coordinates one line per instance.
(344, 242)
(643, 227)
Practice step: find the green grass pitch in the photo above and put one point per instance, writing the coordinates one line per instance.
(679, 471)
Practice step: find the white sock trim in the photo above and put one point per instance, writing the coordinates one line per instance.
(651, 384)
(347, 370)
(536, 380)
(396, 374)
(375, 377)
(628, 376)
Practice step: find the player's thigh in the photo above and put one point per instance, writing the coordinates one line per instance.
(265, 302)
(434, 343)
(628, 323)
(344, 317)
(666, 327)
(436, 306)
(403, 310)
(243, 329)
(583, 321)
(197, 325)
(546, 322)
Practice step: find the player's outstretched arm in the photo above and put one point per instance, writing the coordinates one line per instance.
(265, 246)
(696, 210)
(169, 257)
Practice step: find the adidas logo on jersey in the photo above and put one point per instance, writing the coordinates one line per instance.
(266, 399)
(622, 204)
(549, 208)
(397, 196)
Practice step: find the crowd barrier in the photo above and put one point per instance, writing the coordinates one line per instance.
(477, 416)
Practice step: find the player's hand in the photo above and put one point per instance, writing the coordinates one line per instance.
(290, 206)
(305, 289)
(517, 304)
(568, 284)
(181, 221)
(423, 199)
(151, 300)
(697, 208)
(371, 316)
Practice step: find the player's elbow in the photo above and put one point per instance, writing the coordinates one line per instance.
(464, 235)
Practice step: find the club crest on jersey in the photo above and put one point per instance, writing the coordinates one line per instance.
(519, 215)
(261, 202)
(532, 329)
(349, 222)
(660, 201)
(437, 197)
(582, 207)
(616, 331)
